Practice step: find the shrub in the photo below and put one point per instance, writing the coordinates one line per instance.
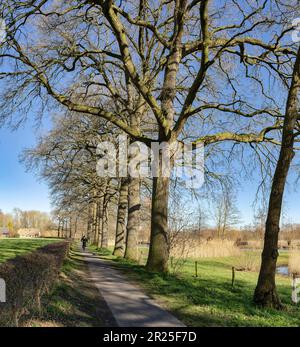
(248, 261)
(255, 244)
(27, 278)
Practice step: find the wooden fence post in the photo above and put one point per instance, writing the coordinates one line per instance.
(233, 276)
(196, 269)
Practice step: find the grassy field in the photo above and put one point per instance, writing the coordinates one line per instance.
(10, 248)
(206, 300)
(209, 299)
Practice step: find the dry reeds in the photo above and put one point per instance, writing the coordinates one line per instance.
(205, 249)
(248, 261)
(294, 263)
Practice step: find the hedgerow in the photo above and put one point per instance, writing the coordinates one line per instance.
(28, 277)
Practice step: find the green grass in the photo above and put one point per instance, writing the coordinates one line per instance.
(209, 299)
(10, 248)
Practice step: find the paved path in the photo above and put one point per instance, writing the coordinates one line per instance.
(128, 304)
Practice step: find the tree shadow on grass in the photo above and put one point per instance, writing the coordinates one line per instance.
(211, 301)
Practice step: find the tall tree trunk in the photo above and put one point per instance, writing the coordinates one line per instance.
(63, 230)
(121, 218)
(265, 292)
(159, 250)
(104, 239)
(59, 228)
(75, 227)
(134, 199)
(95, 231)
(94, 218)
(99, 224)
(70, 228)
(133, 223)
(89, 222)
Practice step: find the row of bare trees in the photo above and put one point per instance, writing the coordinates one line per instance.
(203, 71)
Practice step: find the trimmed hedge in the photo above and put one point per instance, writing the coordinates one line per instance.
(27, 278)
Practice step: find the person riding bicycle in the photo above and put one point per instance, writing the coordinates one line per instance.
(84, 241)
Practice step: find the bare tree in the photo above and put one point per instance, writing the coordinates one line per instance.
(259, 221)
(121, 218)
(265, 292)
(226, 213)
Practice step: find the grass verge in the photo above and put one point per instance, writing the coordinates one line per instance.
(209, 299)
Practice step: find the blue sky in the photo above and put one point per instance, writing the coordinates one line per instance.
(18, 188)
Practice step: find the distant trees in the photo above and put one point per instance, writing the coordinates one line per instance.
(1, 218)
(200, 218)
(25, 219)
(260, 217)
(226, 213)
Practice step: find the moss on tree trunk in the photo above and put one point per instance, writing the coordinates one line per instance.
(159, 251)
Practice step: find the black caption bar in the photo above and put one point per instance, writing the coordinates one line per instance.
(136, 336)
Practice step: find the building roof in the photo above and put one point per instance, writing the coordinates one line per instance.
(4, 231)
(29, 232)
